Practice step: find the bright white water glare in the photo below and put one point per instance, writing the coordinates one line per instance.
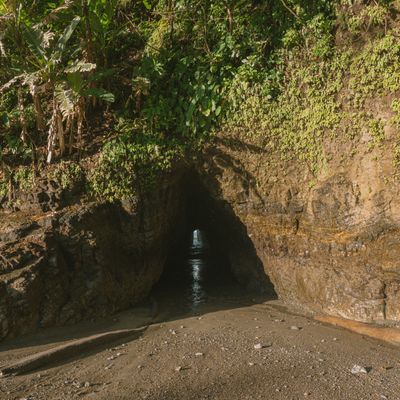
(197, 264)
(197, 239)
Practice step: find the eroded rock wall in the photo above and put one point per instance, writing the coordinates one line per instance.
(84, 260)
(330, 243)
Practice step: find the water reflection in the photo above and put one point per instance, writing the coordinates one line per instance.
(189, 283)
(197, 264)
(197, 294)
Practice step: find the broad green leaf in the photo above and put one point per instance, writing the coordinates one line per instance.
(75, 81)
(33, 38)
(63, 40)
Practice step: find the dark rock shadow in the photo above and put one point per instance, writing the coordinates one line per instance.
(226, 274)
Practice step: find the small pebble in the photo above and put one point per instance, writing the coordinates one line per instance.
(358, 369)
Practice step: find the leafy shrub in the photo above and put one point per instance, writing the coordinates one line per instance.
(24, 178)
(132, 163)
(67, 174)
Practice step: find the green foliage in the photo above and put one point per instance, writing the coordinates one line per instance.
(377, 132)
(132, 162)
(323, 95)
(376, 69)
(370, 16)
(395, 121)
(24, 178)
(3, 189)
(191, 65)
(67, 174)
(48, 61)
(181, 70)
(294, 122)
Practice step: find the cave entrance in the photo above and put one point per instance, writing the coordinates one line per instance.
(213, 262)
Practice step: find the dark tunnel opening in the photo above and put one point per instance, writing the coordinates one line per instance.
(213, 256)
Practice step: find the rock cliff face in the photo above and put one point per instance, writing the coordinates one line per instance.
(82, 261)
(330, 243)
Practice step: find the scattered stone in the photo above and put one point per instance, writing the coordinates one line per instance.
(260, 346)
(114, 356)
(109, 366)
(177, 369)
(295, 328)
(358, 369)
(87, 384)
(251, 364)
(199, 354)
